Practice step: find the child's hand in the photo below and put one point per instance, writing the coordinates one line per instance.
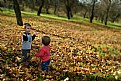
(35, 33)
(24, 34)
(23, 26)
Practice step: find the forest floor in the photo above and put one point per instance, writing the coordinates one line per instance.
(78, 51)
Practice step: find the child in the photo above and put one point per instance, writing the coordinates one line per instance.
(44, 53)
(26, 42)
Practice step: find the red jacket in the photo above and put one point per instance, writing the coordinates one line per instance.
(44, 53)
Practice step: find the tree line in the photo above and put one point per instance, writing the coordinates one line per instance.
(100, 10)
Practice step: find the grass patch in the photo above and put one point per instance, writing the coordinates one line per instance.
(114, 25)
(28, 13)
(10, 12)
(54, 17)
(111, 25)
(7, 12)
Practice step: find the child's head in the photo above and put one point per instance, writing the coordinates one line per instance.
(27, 27)
(46, 40)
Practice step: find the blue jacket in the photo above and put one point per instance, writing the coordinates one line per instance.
(27, 40)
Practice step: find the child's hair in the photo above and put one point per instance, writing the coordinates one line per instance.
(26, 24)
(46, 40)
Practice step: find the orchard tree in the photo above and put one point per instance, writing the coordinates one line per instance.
(115, 11)
(69, 4)
(56, 6)
(47, 6)
(17, 12)
(40, 8)
(108, 6)
(92, 11)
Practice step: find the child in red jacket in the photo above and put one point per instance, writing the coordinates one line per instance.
(44, 53)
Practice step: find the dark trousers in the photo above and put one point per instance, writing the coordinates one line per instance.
(26, 55)
(44, 65)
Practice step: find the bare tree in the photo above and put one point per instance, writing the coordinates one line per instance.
(69, 5)
(67, 8)
(108, 2)
(40, 8)
(101, 11)
(17, 12)
(92, 12)
(47, 6)
(56, 4)
(32, 4)
(115, 11)
(4, 1)
(85, 8)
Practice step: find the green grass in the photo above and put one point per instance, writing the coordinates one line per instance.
(10, 12)
(7, 12)
(74, 19)
(114, 25)
(111, 25)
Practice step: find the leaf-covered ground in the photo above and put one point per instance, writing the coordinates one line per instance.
(78, 51)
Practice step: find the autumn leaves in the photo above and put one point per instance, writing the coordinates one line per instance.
(90, 51)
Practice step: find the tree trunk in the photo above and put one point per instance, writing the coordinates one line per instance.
(106, 18)
(107, 13)
(71, 14)
(47, 6)
(67, 8)
(96, 17)
(4, 1)
(102, 18)
(117, 16)
(55, 9)
(68, 12)
(92, 13)
(40, 8)
(17, 12)
(85, 14)
(32, 5)
(47, 10)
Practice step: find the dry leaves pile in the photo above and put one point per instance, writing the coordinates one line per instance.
(78, 51)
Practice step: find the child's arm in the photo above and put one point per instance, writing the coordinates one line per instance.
(40, 54)
(25, 38)
(33, 37)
